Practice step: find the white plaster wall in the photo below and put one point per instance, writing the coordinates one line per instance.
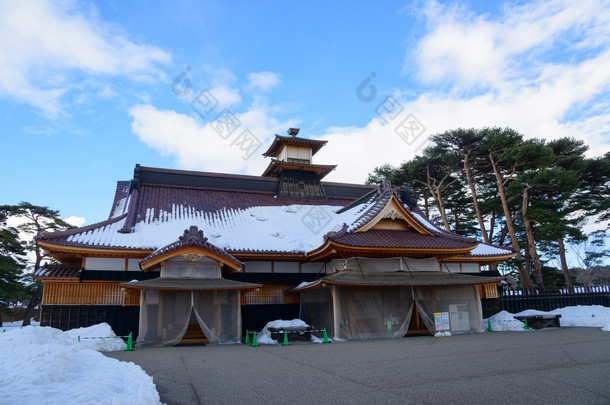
(258, 267)
(312, 267)
(453, 267)
(470, 267)
(133, 265)
(286, 267)
(99, 263)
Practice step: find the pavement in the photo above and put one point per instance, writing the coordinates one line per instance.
(548, 366)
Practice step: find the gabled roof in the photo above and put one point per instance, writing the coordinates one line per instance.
(191, 240)
(280, 140)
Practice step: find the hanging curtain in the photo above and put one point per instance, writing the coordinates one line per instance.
(367, 313)
(165, 315)
(218, 314)
(316, 309)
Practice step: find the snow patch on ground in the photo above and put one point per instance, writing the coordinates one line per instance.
(42, 365)
(580, 315)
(265, 339)
(315, 339)
(9, 326)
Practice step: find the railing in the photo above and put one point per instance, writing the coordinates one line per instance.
(515, 301)
(509, 291)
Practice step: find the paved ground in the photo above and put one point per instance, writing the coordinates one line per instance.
(558, 366)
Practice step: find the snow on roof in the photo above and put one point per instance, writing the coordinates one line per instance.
(484, 249)
(290, 228)
(426, 222)
(120, 208)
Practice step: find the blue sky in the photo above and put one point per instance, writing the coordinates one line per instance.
(86, 88)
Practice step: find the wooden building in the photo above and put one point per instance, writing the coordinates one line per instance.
(266, 242)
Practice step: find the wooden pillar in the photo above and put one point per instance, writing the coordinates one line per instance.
(218, 313)
(336, 313)
(239, 292)
(160, 316)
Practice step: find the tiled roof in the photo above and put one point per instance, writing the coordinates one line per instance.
(57, 271)
(315, 144)
(379, 203)
(121, 198)
(399, 239)
(77, 237)
(191, 284)
(238, 215)
(234, 182)
(487, 250)
(277, 166)
(192, 237)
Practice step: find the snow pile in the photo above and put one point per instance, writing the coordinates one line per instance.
(264, 337)
(504, 321)
(108, 342)
(40, 364)
(581, 315)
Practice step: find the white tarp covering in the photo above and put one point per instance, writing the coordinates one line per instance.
(462, 303)
(370, 265)
(371, 313)
(361, 312)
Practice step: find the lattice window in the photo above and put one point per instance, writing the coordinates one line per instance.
(270, 294)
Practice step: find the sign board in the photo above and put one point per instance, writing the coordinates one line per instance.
(441, 321)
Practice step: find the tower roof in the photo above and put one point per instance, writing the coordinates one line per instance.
(280, 140)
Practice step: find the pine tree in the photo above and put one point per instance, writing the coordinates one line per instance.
(37, 219)
(12, 265)
(468, 144)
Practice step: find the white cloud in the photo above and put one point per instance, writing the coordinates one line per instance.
(198, 146)
(542, 68)
(43, 43)
(75, 221)
(226, 95)
(263, 80)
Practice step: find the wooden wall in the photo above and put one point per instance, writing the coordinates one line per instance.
(489, 290)
(71, 293)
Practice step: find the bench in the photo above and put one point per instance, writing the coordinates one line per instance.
(295, 333)
(540, 321)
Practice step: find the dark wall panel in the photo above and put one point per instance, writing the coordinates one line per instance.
(122, 319)
(255, 317)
